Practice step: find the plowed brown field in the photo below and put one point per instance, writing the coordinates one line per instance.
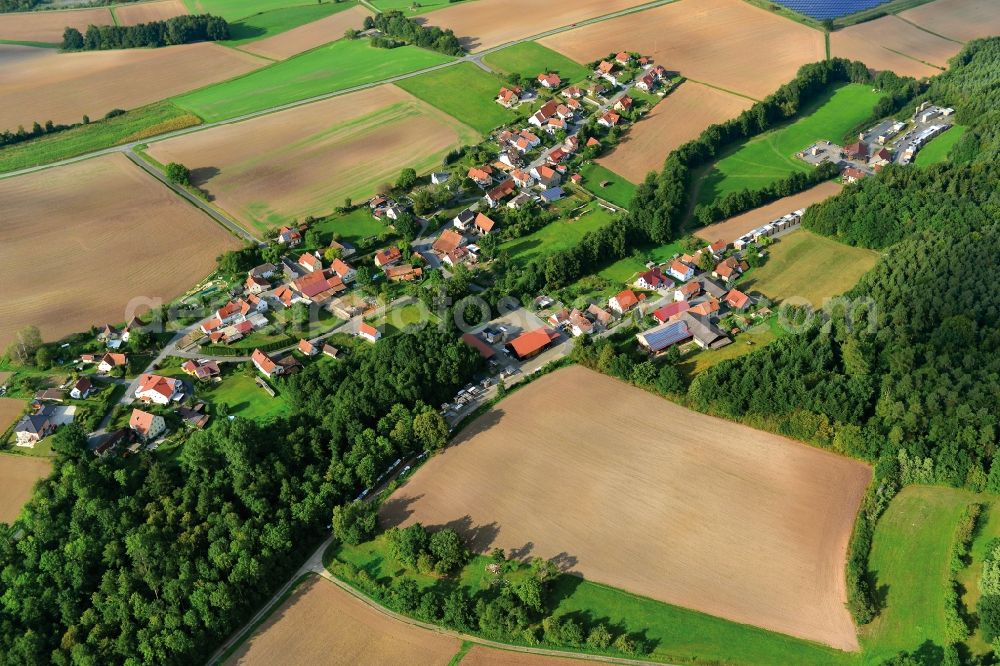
(18, 475)
(62, 87)
(726, 43)
(680, 117)
(305, 160)
(636, 492)
(310, 35)
(963, 20)
(145, 12)
(78, 242)
(731, 229)
(484, 24)
(49, 26)
(892, 43)
(322, 624)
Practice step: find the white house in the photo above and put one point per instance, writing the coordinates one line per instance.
(147, 426)
(369, 332)
(681, 271)
(81, 389)
(158, 390)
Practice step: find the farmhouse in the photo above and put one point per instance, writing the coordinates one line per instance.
(652, 279)
(368, 332)
(852, 174)
(158, 390)
(318, 287)
(147, 426)
(289, 236)
(33, 428)
(670, 311)
(448, 241)
(509, 97)
(403, 273)
(531, 344)
(655, 340)
(265, 364)
(623, 301)
(599, 315)
(201, 369)
(705, 334)
(705, 308)
(687, 291)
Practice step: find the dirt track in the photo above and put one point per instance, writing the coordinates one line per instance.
(679, 117)
(481, 656)
(883, 44)
(731, 229)
(48, 26)
(304, 161)
(484, 24)
(963, 20)
(726, 43)
(639, 493)
(322, 624)
(310, 35)
(62, 87)
(18, 475)
(78, 242)
(145, 12)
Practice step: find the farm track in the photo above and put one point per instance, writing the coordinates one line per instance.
(475, 58)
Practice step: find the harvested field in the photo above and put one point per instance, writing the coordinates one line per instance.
(963, 20)
(49, 26)
(305, 160)
(77, 242)
(641, 494)
(892, 43)
(481, 656)
(18, 475)
(731, 229)
(310, 35)
(726, 43)
(680, 117)
(10, 409)
(62, 87)
(146, 12)
(322, 624)
(484, 24)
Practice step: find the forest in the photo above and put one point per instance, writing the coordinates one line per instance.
(397, 29)
(144, 560)
(172, 31)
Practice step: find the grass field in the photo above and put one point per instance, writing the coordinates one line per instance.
(803, 265)
(353, 226)
(342, 64)
(255, 27)
(771, 156)
(619, 190)
(747, 341)
(244, 398)
(968, 578)
(474, 106)
(937, 150)
(18, 475)
(652, 471)
(233, 10)
(623, 270)
(529, 59)
(399, 318)
(407, 6)
(558, 235)
(133, 125)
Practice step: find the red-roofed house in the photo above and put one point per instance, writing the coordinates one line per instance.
(228, 312)
(448, 241)
(500, 192)
(687, 291)
(290, 237)
(609, 119)
(200, 370)
(343, 270)
(624, 103)
(652, 279)
(368, 332)
(623, 58)
(671, 310)
(737, 300)
(483, 224)
(111, 361)
(310, 262)
(147, 426)
(623, 301)
(546, 176)
(157, 389)
(308, 348)
(509, 97)
(403, 273)
(718, 246)
(81, 389)
(681, 271)
(482, 176)
(256, 285)
(550, 80)
(705, 308)
(265, 364)
(387, 257)
(473, 341)
(852, 174)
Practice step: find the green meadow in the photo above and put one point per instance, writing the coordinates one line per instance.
(529, 59)
(474, 105)
(275, 21)
(562, 234)
(771, 156)
(336, 66)
(937, 150)
(618, 190)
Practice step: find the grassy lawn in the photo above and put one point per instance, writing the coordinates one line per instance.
(676, 634)
(937, 150)
(275, 21)
(771, 156)
(352, 227)
(805, 265)
(243, 397)
(909, 558)
(746, 342)
(989, 529)
(336, 66)
(475, 106)
(233, 10)
(529, 59)
(619, 190)
(407, 6)
(559, 235)
(133, 125)
(623, 270)
(400, 318)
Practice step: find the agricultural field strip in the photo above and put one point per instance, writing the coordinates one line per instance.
(128, 147)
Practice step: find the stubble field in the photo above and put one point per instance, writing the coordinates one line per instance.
(62, 87)
(680, 117)
(484, 24)
(731, 229)
(892, 43)
(146, 12)
(322, 624)
(10, 410)
(49, 26)
(310, 35)
(305, 160)
(78, 242)
(963, 20)
(18, 475)
(481, 656)
(641, 494)
(726, 43)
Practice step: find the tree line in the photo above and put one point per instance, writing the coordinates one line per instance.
(397, 29)
(153, 560)
(177, 30)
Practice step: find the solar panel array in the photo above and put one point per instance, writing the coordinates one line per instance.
(663, 336)
(829, 9)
